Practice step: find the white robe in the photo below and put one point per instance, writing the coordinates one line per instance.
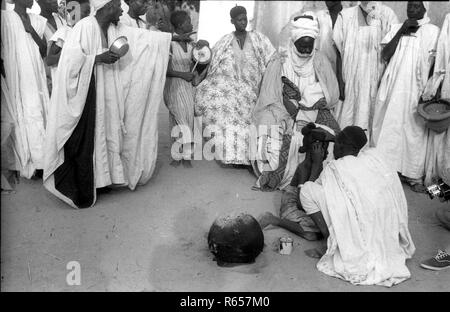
(365, 209)
(27, 87)
(362, 65)
(398, 130)
(437, 163)
(128, 96)
(326, 44)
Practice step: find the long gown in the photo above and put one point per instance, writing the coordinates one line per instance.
(225, 99)
(398, 130)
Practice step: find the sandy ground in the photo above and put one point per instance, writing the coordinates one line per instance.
(155, 238)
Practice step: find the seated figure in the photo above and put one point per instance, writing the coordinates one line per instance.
(298, 87)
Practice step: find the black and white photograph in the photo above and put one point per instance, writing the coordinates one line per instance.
(237, 148)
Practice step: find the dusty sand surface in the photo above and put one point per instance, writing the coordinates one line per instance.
(155, 238)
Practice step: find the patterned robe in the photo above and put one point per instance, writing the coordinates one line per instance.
(226, 98)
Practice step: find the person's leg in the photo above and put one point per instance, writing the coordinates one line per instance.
(270, 219)
(312, 199)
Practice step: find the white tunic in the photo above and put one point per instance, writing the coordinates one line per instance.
(398, 130)
(362, 65)
(27, 86)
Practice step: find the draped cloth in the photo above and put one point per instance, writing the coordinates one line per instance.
(369, 239)
(398, 130)
(226, 97)
(358, 41)
(128, 94)
(271, 112)
(437, 163)
(26, 87)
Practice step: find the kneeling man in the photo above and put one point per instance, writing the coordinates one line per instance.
(359, 205)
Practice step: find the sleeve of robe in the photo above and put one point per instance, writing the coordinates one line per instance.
(339, 33)
(441, 65)
(426, 58)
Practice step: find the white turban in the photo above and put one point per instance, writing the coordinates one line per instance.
(304, 26)
(98, 4)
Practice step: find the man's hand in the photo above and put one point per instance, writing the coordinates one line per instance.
(409, 26)
(188, 76)
(321, 103)
(317, 153)
(107, 57)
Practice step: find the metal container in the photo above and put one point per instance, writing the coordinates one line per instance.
(120, 46)
(286, 245)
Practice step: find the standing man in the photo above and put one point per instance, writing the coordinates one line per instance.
(398, 131)
(357, 35)
(23, 50)
(229, 92)
(103, 127)
(327, 19)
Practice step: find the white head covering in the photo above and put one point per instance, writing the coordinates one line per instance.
(425, 19)
(98, 4)
(302, 27)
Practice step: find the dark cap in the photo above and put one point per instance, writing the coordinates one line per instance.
(237, 10)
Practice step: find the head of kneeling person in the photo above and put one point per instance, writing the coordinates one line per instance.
(349, 142)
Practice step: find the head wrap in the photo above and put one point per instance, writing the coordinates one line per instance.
(237, 10)
(98, 4)
(354, 136)
(303, 26)
(425, 19)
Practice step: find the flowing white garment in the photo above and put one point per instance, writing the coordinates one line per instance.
(398, 130)
(437, 163)
(128, 97)
(27, 87)
(367, 216)
(326, 45)
(362, 65)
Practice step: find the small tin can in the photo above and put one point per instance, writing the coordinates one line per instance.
(286, 245)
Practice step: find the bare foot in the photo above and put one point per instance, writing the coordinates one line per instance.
(316, 252)
(186, 163)
(267, 219)
(175, 163)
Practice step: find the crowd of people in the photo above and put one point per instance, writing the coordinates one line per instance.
(334, 107)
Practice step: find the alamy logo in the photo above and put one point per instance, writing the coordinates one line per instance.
(73, 278)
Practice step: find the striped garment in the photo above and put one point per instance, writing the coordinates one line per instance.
(178, 93)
